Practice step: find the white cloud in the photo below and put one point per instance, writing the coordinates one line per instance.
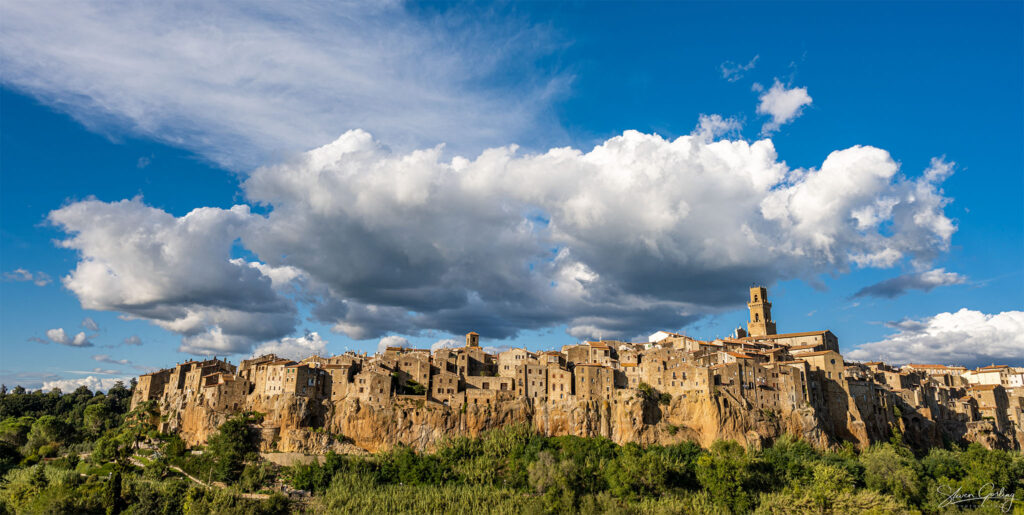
(924, 281)
(447, 343)
(295, 348)
(175, 272)
(106, 358)
(244, 85)
(967, 337)
(59, 336)
(638, 232)
(733, 72)
(22, 275)
(782, 104)
(713, 126)
(96, 384)
(133, 340)
(391, 341)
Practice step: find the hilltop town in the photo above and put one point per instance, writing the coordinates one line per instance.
(752, 388)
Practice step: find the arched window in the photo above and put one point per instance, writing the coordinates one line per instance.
(757, 317)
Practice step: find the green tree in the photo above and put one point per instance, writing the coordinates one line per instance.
(892, 470)
(229, 448)
(96, 418)
(46, 430)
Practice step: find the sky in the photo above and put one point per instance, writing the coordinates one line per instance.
(227, 180)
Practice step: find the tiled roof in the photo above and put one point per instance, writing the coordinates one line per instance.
(819, 353)
(983, 387)
(739, 355)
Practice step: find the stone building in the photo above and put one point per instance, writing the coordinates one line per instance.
(593, 381)
(560, 382)
(305, 380)
(372, 385)
(150, 387)
(510, 359)
(531, 381)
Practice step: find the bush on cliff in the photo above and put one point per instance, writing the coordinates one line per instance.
(230, 447)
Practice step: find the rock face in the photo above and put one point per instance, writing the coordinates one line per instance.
(295, 424)
(299, 425)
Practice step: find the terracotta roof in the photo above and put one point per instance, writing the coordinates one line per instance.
(599, 345)
(819, 353)
(799, 347)
(739, 355)
(627, 364)
(983, 387)
(993, 367)
(793, 362)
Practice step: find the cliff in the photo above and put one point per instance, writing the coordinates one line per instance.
(296, 424)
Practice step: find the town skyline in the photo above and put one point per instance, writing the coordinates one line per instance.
(206, 181)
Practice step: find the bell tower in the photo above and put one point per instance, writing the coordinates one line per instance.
(472, 339)
(761, 323)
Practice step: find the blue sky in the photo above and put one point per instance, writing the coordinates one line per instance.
(380, 237)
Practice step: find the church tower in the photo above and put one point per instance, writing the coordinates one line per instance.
(761, 323)
(472, 339)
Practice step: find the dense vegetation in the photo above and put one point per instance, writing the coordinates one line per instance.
(514, 470)
(86, 453)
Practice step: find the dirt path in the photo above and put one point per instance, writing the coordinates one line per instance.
(215, 484)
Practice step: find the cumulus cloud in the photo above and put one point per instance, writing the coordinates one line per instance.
(733, 72)
(638, 232)
(59, 336)
(924, 281)
(295, 348)
(391, 341)
(966, 337)
(244, 86)
(782, 104)
(22, 275)
(175, 272)
(96, 384)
